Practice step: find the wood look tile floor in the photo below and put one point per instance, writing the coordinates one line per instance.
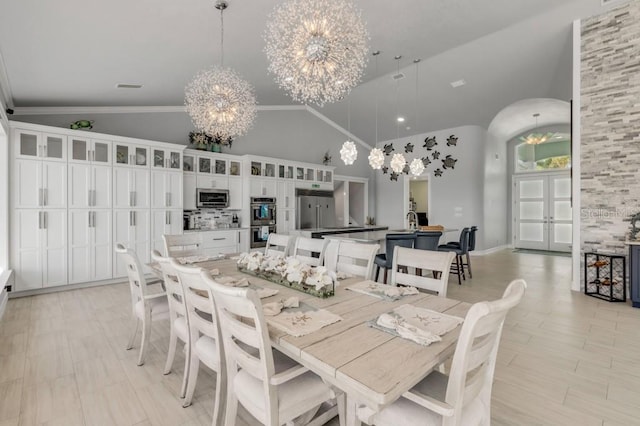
(564, 359)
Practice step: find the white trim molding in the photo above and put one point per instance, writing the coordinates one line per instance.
(575, 157)
(131, 109)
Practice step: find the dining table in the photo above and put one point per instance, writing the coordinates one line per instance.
(372, 367)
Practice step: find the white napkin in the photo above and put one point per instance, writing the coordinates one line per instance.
(214, 272)
(400, 291)
(274, 308)
(195, 259)
(233, 282)
(265, 292)
(407, 331)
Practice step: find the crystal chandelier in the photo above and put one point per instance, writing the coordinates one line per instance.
(219, 102)
(537, 138)
(317, 49)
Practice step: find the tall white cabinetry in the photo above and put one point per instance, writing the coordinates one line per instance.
(166, 197)
(90, 226)
(39, 215)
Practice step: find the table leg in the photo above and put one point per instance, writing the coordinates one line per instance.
(352, 415)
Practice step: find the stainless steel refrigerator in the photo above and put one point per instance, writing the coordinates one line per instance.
(316, 209)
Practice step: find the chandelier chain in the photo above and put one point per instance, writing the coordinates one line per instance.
(377, 98)
(222, 37)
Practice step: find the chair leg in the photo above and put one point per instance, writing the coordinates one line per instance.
(171, 354)
(146, 337)
(458, 270)
(469, 265)
(187, 367)
(341, 399)
(221, 390)
(377, 273)
(385, 275)
(231, 407)
(132, 337)
(194, 366)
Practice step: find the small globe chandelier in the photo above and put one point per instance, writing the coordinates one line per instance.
(376, 158)
(416, 167)
(397, 163)
(219, 102)
(317, 49)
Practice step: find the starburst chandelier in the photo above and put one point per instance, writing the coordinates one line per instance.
(219, 102)
(536, 138)
(317, 49)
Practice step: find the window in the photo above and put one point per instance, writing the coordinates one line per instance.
(555, 154)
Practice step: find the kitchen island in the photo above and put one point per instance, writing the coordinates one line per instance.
(323, 232)
(374, 236)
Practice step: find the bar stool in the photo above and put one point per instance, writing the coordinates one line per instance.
(472, 247)
(463, 249)
(426, 240)
(385, 260)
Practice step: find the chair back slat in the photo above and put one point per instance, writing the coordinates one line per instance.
(435, 261)
(182, 245)
(175, 294)
(278, 244)
(304, 249)
(356, 258)
(135, 274)
(473, 364)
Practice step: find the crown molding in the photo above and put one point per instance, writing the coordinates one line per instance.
(6, 97)
(129, 109)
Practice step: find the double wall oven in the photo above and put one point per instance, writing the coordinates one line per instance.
(263, 220)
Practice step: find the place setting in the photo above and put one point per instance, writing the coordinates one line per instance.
(382, 291)
(297, 318)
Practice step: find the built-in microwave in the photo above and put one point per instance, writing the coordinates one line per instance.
(207, 198)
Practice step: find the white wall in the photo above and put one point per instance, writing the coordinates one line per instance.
(456, 198)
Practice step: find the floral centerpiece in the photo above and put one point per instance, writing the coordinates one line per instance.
(289, 272)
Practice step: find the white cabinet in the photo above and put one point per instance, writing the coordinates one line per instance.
(285, 221)
(130, 187)
(125, 154)
(235, 193)
(211, 181)
(37, 145)
(164, 222)
(169, 159)
(84, 150)
(89, 186)
(131, 228)
(286, 196)
(39, 254)
(189, 191)
(216, 242)
(166, 189)
(90, 245)
(262, 187)
(40, 184)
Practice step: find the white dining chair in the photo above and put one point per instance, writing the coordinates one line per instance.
(270, 386)
(178, 321)
(182, 245)
(305, 248)
(145, 306)
(204, 332)
(354, 258)
(436, 261)
(278, 245)
(464, 397)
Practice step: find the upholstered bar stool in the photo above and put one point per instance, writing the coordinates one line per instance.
(426, 240)
(459, 251)
(385, 260)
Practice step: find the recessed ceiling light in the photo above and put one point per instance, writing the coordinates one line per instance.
(458, 83)
(128, 86)
(400, 119)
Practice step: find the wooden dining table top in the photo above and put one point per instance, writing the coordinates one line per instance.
(372, 366)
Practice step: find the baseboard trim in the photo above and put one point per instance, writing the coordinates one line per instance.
(46, 290)
(6, 279)
(489, 250)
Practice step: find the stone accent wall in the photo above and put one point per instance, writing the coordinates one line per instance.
(610, 114)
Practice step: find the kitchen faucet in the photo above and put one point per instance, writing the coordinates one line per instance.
(415, 219)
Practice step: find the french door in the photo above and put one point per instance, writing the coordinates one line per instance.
(542, 212)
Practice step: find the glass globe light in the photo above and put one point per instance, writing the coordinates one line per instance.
(397, 163)
(348, 153)
(376, 158)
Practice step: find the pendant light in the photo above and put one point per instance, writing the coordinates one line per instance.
(376, 156)
(417, 165)
(398, 160)
(349, 152)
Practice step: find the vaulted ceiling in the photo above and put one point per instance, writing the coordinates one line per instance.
(74, 52)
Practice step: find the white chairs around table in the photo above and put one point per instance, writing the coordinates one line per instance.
(463, 397)
(278, 244)
(269, 385)
(182, 245)
(178, 320)
(145, 306)
(351, 258)
(436, 261)
(305, 248)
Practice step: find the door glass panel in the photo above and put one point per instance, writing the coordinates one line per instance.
(122, 154)
(221, 167)
(101, 152)
(158, 158)
(174, 160)
(562, 233)
(270, 170)
(531, 189)
(256, 168)
(532, 232)
(234, 168)
(79, 149)
(562, 210)
(562, 188)
(141, 156)
(54, 147)
(187, 163)
(531, 210)
(204, 165)
(28, 144)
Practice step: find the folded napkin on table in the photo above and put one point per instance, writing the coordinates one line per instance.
(407, 331)
(214, 272)
(233, 282)
(400, 291)
(382, 291)
(274, 308)
(420, 325)
(196, 259)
